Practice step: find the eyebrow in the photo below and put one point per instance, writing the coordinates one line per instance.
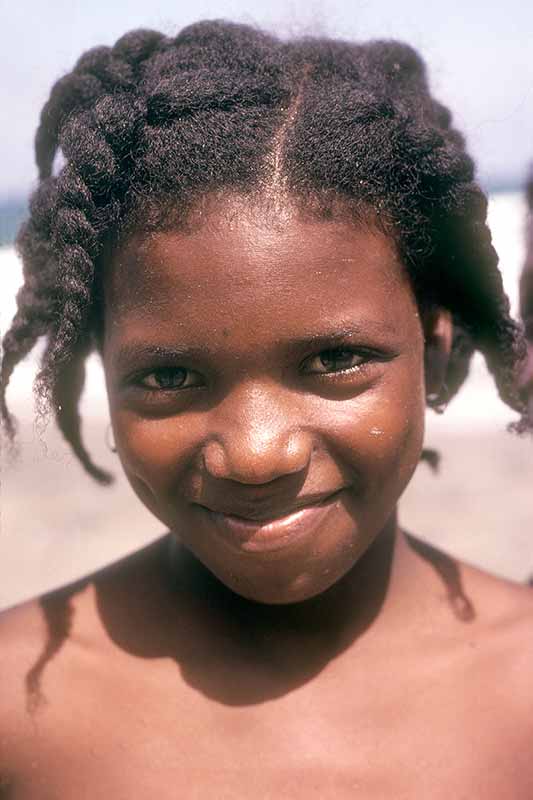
(353, 330)
(134, 351)
(141, 351)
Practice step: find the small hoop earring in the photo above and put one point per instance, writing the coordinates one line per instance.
(110, 439)
(439, 400)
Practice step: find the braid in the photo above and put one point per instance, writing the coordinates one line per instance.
(98, 70)
(67, 389)
(148, 126)
(471, 285)
(35, 299)
(60, 242)
(526, 278)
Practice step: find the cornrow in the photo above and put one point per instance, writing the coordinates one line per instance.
(150, 125)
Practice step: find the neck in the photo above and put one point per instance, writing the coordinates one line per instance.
(373, 587)
(241, 652)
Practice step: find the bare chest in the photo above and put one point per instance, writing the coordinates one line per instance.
(165, 738)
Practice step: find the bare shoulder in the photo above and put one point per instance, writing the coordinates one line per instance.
(497, 675)
(15, 621)
(504, 605)
(491, 624)
(49, 648)
(482, 632)
(504, 628)
(22, 630)
(36, 648)
(26, 627)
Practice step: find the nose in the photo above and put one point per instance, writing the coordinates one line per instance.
(257, 436)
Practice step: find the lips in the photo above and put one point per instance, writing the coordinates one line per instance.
(258, 508)
(267, 531)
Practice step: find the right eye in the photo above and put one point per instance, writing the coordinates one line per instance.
(168, 379)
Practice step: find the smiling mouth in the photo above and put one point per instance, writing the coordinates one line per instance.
(271, 534)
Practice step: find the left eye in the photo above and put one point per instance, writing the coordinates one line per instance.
(337, 360)
(168, 378)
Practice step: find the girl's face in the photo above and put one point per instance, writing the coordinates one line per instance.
(266, 383)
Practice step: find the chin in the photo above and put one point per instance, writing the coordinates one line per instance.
(276, 590)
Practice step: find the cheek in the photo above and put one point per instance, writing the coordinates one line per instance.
(382, 435)
(156, 454)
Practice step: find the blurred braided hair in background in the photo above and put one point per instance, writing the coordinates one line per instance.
(148, 127)
(526, 296)
(526, 279)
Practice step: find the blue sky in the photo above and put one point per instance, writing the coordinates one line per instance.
(479, 55)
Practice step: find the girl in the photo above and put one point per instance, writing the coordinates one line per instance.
(279, 251)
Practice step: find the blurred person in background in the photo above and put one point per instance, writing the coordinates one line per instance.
(526, 292)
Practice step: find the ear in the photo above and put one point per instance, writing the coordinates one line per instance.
(438, 332)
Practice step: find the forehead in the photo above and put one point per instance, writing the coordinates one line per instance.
(257, 266)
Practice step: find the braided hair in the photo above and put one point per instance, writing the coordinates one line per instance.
(151, 125)
(526, 278)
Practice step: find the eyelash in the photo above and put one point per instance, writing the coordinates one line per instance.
(172, 370)
(334, 354)
(337, 354)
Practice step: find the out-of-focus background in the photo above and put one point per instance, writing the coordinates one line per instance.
(55, 523)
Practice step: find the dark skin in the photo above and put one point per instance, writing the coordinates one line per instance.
(287, 639)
